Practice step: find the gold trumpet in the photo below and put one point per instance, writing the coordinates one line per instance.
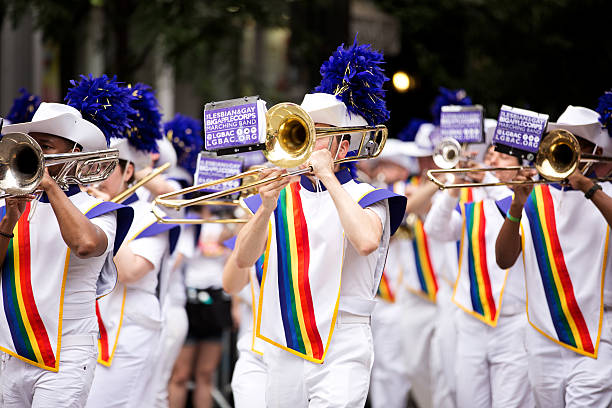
(558, 157)
(22, 165)
(290, 140)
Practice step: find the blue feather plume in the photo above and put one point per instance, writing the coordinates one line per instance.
(355, 77)
(408, 134)
(23, 107)
(185, 133)
(448, 97)
(145, 127)
(604, 108)
(103, 102)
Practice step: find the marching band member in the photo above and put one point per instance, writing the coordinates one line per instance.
(491, 360)
(390, 384)
(313, 234)
(130, 317)
(563, 243)
(56, 259)
(181, 144)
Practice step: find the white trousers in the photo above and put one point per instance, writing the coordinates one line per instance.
(562, 378)
(444, 350)
(417, 327)
(173, 334)
(125, 382)
(249, 380)
(390, 383)
(341, 381)
(24, 385)
(491, 365)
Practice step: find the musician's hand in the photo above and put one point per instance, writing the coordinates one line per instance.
(579, 181)
(47, 181)
(269, 192)
(15, 206)
(322, 163)
(521, 192)
(92, 191)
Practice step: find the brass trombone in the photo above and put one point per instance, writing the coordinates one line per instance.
(448, 153)
(558, 157)
(290, 140)
(22, 165)
(239, 202)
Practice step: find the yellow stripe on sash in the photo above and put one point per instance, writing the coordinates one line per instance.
(555, 273)
(294, 273)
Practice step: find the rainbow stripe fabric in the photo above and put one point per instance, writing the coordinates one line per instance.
(293, 254)
(481, 293)
(424, 266)
(567, 318)
(384, 289)
(27, 329)
(465, 196)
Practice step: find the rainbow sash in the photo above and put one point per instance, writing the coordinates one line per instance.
(482, 300)
(568, 320)
(293, 254)
(384, 289)
(28, 332)
(33, 286)
(422, 259)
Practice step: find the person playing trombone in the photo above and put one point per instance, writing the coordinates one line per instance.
(313, 234)
(562, 233)
(56, 255)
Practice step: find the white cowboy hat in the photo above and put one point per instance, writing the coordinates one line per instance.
(64, 121)
(326, 108)
(139, 158)
(582, 122)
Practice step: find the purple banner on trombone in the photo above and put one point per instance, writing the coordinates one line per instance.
(232, 123)
(462, 123)
(213, 168)
(520, 129)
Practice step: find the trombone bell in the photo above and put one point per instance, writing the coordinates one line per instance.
(21, 168)
(447, 153)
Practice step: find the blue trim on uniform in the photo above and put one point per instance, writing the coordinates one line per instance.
(343, 176)
(504, 205)
(253, 202)
(131, 199)
(397, 205)
(72, 190)
(156, 229)
(125, 216)
(230, 243)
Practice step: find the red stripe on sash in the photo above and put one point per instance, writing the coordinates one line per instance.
(104, 354)
(301, 235)
(564, 277)
(38, 327)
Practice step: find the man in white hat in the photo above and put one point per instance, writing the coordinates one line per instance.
(562, 233)
(324, 241)
(56, 259)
